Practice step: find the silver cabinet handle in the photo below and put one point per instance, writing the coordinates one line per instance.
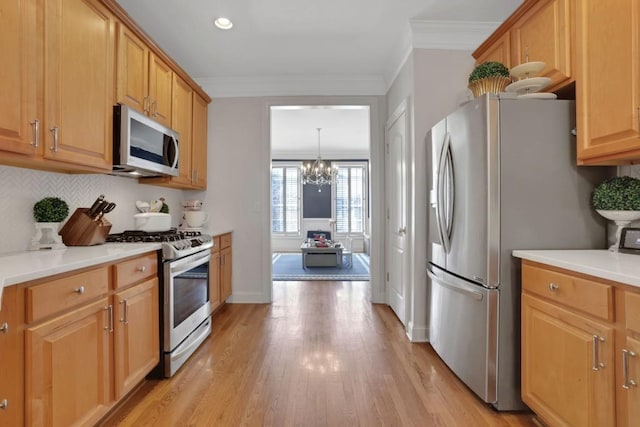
(638, 122)
(4, 328)
(110, 310)
(626, 382)
(55, 130)
(596, 353)
(36, 132)
(142, 268)
(145, 104)
(4, 404)
(553, 287)
(79, 290)
(125, 317)
(155, 108)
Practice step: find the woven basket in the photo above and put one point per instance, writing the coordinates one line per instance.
(494, 84)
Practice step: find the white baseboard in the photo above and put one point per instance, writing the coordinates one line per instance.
(417, 334)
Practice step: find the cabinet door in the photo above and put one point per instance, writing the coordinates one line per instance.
(632, 394)
(18, 76)
(132, 80)
(199, 144)
(160, 86)
(182, 115)
(544, 34)
(498, 52)
(68, 367)
(79, 85)
(215, 280)
(559, 351)
(137, 346)
(608, 81)
(12, 357)
(226, 268)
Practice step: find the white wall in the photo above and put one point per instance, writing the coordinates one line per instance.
(21, 188)
(434, 81)
(238, 190)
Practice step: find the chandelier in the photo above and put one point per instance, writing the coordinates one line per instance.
(319, 172)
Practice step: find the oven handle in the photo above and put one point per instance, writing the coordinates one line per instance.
(185, 264)
(195, 343)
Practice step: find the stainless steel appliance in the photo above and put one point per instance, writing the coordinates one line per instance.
(503, 177)
(142, 146)
(185, 305)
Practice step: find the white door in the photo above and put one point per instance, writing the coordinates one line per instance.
(396, 285)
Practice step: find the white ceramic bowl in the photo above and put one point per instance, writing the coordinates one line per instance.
(152, 221)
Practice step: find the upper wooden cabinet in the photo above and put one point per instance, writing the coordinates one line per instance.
(78, 69)
(539, 30)
(144, 81)
(199, 143)
(608, 82)
(182, 116)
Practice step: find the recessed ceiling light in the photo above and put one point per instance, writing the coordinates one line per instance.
(223, 23)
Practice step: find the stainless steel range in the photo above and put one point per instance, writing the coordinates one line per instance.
(185, 306)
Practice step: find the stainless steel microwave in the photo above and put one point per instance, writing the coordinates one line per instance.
(142, 146)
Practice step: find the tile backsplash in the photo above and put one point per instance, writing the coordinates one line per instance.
(21, 188)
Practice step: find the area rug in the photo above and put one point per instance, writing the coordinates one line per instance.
(288, 266)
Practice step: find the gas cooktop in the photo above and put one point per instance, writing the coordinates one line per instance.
(175, 244)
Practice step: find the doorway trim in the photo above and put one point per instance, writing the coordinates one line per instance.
(376, 175)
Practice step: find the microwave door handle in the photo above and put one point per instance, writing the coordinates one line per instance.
(175, 144)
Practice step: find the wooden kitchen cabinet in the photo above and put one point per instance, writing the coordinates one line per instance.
(136, 335)
(18, 38)
(199, 142)
(12, 358)
(498, 51)
(78, 82)
(182, 115)
(544, 33)
(215, 279)
(68, 368)
(560, 382)
(226, 266)
(608, 82)
(144, 81)
(629, 353)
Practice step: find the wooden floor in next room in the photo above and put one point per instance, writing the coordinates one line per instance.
(320, 355)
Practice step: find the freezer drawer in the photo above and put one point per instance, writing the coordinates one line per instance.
(463, 330)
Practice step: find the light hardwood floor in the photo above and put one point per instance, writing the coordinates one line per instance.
(320, 355)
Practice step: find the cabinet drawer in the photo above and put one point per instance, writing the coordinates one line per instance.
(591, 297)
(632, 311)
(61, 294)
(135, 270)
(225, 241)
(216, 244)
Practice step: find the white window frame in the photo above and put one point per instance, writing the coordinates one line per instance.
(285, 165)
(365, 200)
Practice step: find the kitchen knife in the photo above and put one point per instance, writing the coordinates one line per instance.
(93, 210)
(103, 204)
(106, 210)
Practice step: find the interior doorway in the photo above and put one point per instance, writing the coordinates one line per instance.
(338, 136)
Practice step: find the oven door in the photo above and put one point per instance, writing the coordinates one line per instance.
(186, 297)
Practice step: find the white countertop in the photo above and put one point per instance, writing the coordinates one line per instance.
(616, 266)
(25, 266)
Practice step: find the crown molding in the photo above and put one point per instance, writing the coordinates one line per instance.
(450, 35)
(295, 85)
(312, 155)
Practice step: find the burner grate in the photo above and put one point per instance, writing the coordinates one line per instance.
(136, 236)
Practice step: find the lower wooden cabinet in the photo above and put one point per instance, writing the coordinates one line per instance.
(136, 335)
(568, 369)
(68, 367)
(12, 358)
(220, 273)
(580, 348)
(214, 279)
(225, 273)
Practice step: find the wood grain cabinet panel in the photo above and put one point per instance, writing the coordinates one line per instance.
(226, 267)
(12, 357)
(568, 369)
(499, 51)
(199, 143)
(160, 90)
(135, 270)
(215, 280)
(68, 369)
(608, 81)
(182, 114)
(630, 388)
(132, 79)
(136, 335)
(79, 82)
(544, 33)
(18, 77)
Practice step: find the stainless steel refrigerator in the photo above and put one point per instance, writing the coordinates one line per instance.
(502, 177)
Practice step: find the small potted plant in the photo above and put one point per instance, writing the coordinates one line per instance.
(618, 199)
(48, 214)
(489, 77)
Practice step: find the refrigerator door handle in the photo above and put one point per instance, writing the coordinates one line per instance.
(443, 229)
(451, 191)
(465, 290)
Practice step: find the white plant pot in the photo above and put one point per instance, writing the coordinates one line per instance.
(46, 236)
(622, 219)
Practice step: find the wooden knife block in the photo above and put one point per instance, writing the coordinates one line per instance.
(81, 230)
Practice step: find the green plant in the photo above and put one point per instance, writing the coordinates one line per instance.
(50, 209)
(165, 206)
(488, 69)
(621, 193)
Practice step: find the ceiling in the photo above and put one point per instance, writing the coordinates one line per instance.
(311, 47)
(327, 46)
